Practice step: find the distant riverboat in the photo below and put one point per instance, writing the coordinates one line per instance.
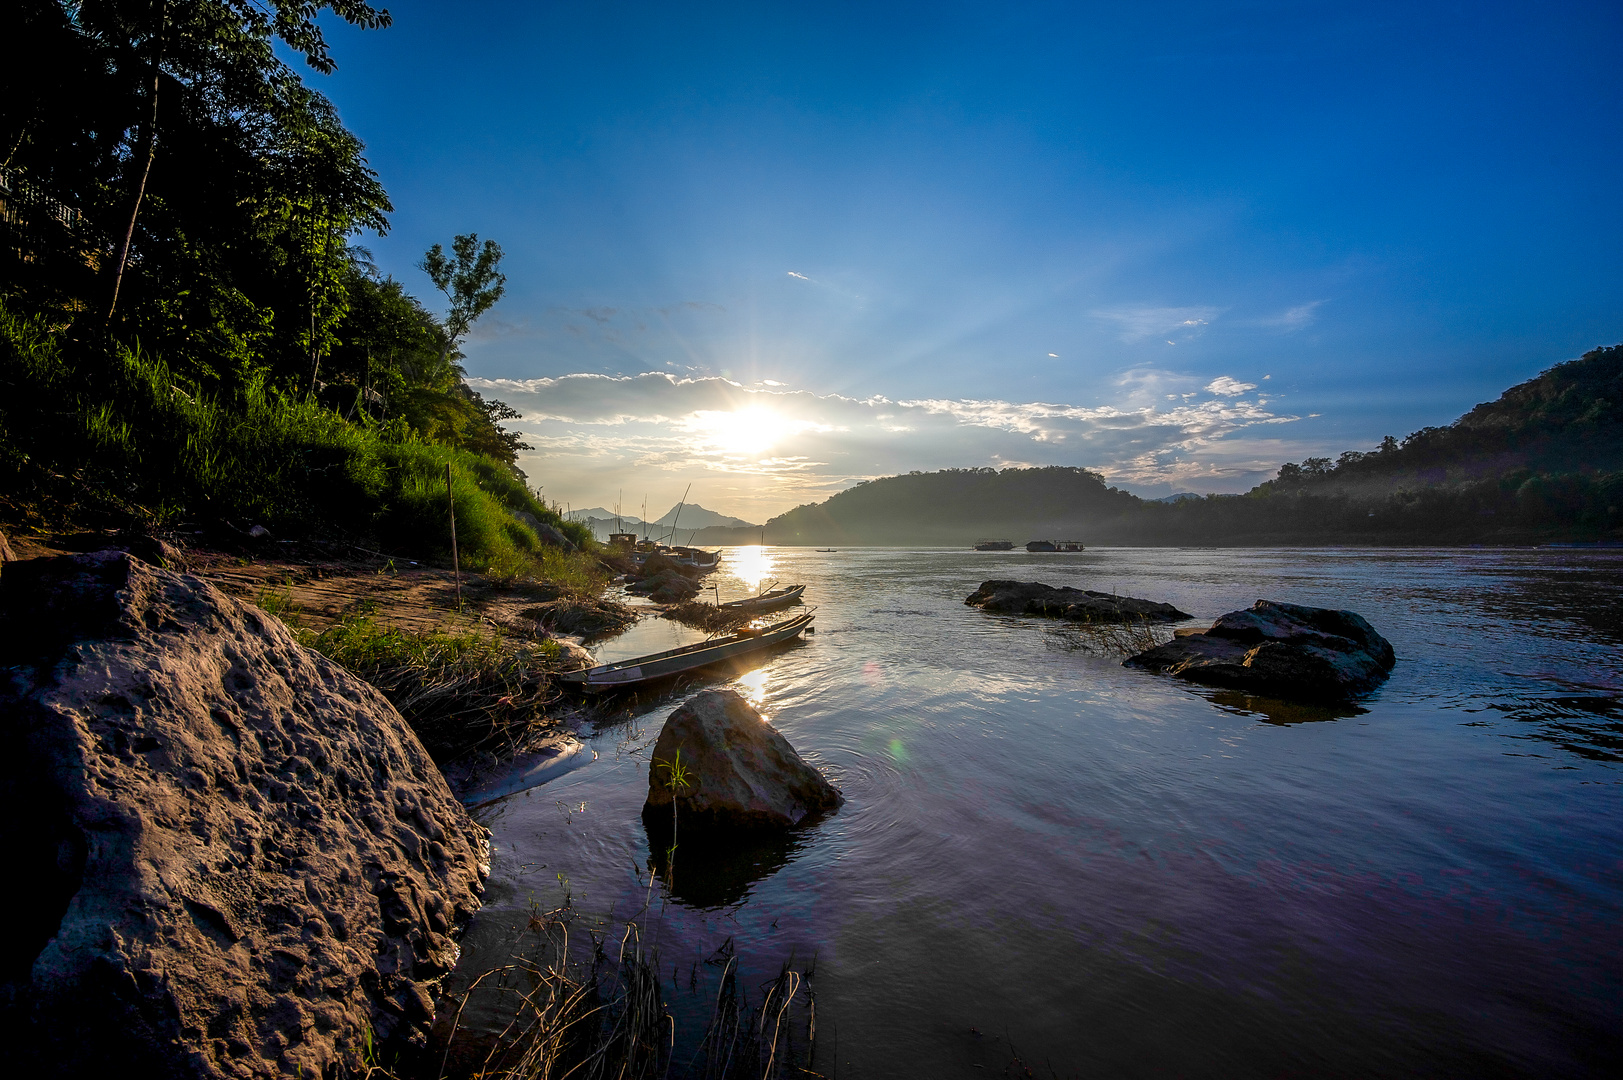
(994, 545)
(1055, 545)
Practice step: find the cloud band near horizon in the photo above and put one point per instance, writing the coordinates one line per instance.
(755, 451)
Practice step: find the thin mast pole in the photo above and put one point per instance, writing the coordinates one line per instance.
(678, 516)
(456, 562)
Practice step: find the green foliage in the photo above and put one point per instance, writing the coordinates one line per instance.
(115, 431)
(240, 181)
(468, 279)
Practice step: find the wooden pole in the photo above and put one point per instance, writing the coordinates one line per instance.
(456, 565)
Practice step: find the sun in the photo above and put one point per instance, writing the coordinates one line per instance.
(746, 431)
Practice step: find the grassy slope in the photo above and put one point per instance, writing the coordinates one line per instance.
(106, 434)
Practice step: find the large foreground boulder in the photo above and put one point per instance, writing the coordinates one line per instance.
(722, 764)
(229, 857)
(1278, 650)
(1074, 605)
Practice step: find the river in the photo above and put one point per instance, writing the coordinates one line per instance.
(1109, 872)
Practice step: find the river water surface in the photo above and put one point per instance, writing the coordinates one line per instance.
(1112, 873)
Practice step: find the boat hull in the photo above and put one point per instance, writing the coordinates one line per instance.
(648, 669)
(774, 601)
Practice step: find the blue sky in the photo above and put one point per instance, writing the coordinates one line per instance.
(771, 249)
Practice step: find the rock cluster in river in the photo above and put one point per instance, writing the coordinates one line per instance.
(721, 763)
(1074, 605)
(665, 580)
(1278, 650)
(230, 857)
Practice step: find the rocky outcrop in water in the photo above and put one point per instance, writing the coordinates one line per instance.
(1279, 650)
(665, 580)
(1074, 605)
(722, 764)
(239, 861)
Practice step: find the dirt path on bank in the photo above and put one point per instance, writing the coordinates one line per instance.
(315, 586)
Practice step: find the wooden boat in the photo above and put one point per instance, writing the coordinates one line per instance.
(691, 556)
(767, 601)
(663, 665)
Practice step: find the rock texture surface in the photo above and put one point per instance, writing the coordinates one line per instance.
(723, 764)
(234, 858)
(1279, 650)
(1076, 605)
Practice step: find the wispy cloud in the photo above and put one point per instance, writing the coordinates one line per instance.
(1293, 318)
(1136, 323)
(802, 277)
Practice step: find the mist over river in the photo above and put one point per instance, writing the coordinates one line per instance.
(1119, 874)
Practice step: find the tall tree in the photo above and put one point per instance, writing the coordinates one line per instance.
(469, 279)
(122, 83)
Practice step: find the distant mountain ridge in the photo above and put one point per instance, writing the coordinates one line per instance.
(687, 517)
(1542, 462)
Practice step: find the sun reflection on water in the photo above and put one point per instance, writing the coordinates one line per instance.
(752, 565)
(753, 687)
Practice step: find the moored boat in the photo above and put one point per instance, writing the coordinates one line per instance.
(994, 545)
(663, 665)
(767, 601)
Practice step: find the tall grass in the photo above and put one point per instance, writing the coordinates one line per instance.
(604, 1014)
(460, 690)
(1122, 639)
(105, 431)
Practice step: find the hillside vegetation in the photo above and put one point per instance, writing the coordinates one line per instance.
(1542, 463)
(188, 330)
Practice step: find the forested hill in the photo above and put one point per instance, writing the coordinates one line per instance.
(957, 506)
(1543, 462)
(1567, 420)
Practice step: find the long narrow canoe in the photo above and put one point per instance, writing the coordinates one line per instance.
(769, 601)
(663, 665)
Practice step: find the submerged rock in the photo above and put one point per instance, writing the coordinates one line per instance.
(239, 859)
(1075, 605)
(1277, 649)
(721, 763)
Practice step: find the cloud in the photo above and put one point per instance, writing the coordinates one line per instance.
(802, 277)
(1224, 386)
(755, 451)
(1293, 318)
(1136, 323)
